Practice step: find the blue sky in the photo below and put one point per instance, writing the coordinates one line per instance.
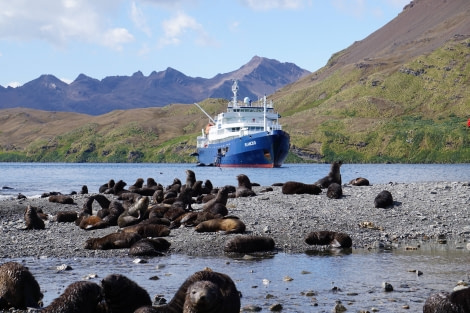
(200, 38)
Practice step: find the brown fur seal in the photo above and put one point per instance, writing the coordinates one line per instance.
(112, 213)
(91, 222)
(230, 225)
(123, 295)
(32, 219)
(383, 200)
(334, 176)
(78, 297)
(248, 244)
(184, 199)
(334, 191)
(147, 230)
(360, 181)
(106, 187)
(139, 183)
(119, 240)
(229, 302)
(66, 216)
(190, 178)
(63, 199)
(297, 188)
(244, 188)
(135, 213)
(18, 287)
(221, 197)
(149, 247)
(444, 302)
(331, 238)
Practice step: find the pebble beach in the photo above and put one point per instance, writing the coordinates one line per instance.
(421, 212)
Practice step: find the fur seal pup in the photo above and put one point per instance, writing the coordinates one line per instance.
(228, 224)
(228, 302)
(383, 200)
(62, 199)
(334, 176)
(298, 188)
(244, 188)
(149, 247)
(78, 297)
(109, 185)
(249, 243)
(444, 302)
(135, 213)
(334, 191)
(91, 222)
(325, 237)
(360, 181)
(120, 240)
(147, 230)
(18, 287)
(123, 295)
(66, 216)
(32, 219)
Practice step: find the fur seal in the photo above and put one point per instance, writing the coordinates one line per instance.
(227, 299)
(78, 297)
(331, 238)
(244, 188)
(18, 287)
(334, 191)
(297, 188)
(360, 181)
(123, 295)
(190, 178)
(66, 216)
(105, 187)
(135, 213)
(444, 302)
(229, 225)
(221, 197)
(149, 247)
(32, 219)
(383, 200)
(139, 183)
(334, 176)
(62, 199)
(148, 230)
(248, 244)
(118, 240)
(91, 222)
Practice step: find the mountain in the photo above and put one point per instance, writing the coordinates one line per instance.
(399, 95)
(87, 95)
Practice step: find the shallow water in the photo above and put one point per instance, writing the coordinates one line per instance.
(33, 179)
(358, 275)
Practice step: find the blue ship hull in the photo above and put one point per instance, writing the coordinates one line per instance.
(258, 150)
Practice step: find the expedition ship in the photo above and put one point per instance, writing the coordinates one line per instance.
(247, 135)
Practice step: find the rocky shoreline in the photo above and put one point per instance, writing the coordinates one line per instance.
(421, 212)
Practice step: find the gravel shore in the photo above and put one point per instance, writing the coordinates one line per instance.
(421, 211)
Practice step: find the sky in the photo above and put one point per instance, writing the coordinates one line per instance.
(200, 38)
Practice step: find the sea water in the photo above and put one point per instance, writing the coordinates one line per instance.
(313, 281)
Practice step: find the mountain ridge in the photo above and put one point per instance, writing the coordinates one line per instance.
(92, 96)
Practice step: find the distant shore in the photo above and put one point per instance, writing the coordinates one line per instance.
(421, 212)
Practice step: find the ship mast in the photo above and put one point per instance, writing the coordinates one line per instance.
(235, 90)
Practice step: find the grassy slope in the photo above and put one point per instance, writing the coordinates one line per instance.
(375, 111)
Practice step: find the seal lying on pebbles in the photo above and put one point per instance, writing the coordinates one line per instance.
(63, 199)
(360, 181)
(149, 247)
(123, 295)
(383, 200)
(229, 225)
(297, 188)
(192, 295)
(325, 237)
(66, 216)
(18, 287)
(334, 176)
(119, 240)
(445, 302)
(248, 244)
(147, 230)
(80, 296)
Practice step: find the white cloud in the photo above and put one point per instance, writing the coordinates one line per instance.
(263, 5)
(61, 21)
(139, 19)
(14, 84)
(175, 29)
(115, 38)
